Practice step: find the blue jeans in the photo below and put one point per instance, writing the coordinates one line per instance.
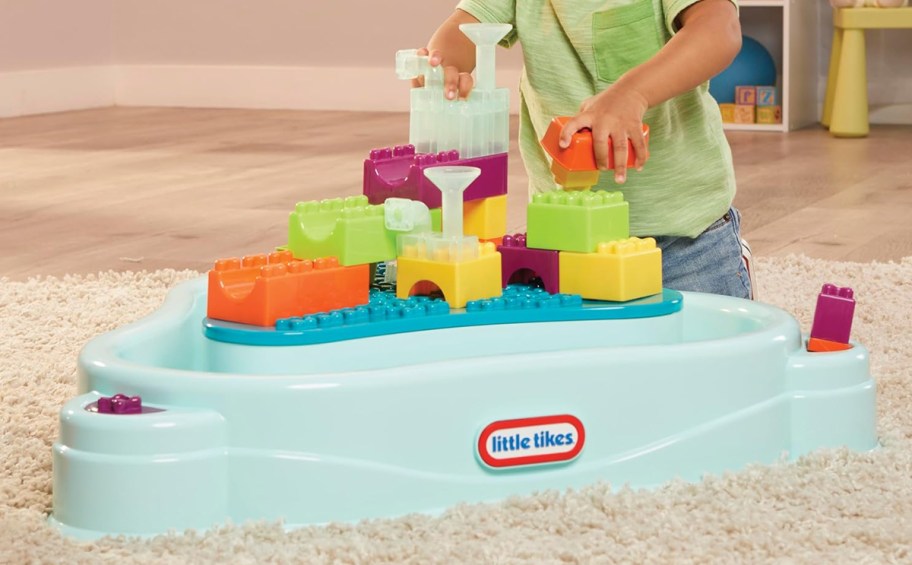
(712, 262)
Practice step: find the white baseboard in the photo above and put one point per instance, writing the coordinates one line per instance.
(892, 114)
(289, 88)
(56, 90)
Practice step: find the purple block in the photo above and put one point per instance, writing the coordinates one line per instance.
(520, 263)
(398, 172)
(120, 404)
(833, 316)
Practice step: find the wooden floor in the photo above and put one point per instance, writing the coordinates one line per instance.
(146, 188)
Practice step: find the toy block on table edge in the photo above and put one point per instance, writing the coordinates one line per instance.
(816, 345)
(728, 113)
(618, 271)
(119, 404)
(766, 96)
(398, 172)
(576, 220)
(460, 281)
(349, 229)
(521, 264)
(769, 114)
(746, 95)
(833, 314)
(745, 114)
(260, 289)
(575, 167)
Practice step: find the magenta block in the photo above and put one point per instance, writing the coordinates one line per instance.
(520, 263)
(833, 316)
(398, 172)
(120, 404)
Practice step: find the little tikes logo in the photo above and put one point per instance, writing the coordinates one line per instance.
(531, 441)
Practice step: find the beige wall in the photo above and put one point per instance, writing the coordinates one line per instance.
(275, 32)
(44, 34)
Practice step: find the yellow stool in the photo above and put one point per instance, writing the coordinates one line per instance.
(845, 108)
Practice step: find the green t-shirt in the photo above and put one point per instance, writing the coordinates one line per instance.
(572, 50)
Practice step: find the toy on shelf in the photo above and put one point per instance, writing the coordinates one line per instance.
(328, 381)
(832, 319)
(753, 105)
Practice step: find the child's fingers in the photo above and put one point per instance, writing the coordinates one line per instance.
(466, 83)
(434, 57)
(450, 82)
(572, 126)
(619, 144)
(639, 147)
(601, 138)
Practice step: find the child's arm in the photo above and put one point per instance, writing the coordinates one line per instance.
(456, 52)
(708, 41)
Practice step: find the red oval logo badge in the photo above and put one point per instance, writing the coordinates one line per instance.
(531, 441)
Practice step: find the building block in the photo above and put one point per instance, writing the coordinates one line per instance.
(817, 345)
(575, 167)
(766, 96)
(522, 265)
(769, 114)
(485, 217)
(576, 220)
(349, 229)
(833, 315)
(618, 271)
(728, 113)
(260, 289)
(459, 280)
(745, 114)
(398, 172)
(746, 95)
(119, 404)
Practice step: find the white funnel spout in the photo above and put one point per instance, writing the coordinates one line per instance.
(485, 37)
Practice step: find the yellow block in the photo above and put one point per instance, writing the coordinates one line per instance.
(745, 114)
(574, 180)
(485, 217)
(873, 18)
(728, 113)
(769, 114)
(618, 271)
(460, 281)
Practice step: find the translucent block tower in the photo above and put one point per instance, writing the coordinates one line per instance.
(476, 126)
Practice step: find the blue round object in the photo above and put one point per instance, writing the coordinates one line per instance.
(753, 66)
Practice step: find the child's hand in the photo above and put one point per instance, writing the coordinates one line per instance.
(455, 83)
(615, 113)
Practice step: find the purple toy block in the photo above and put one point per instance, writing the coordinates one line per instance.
(120, 404)
(520, 263)
(398, 172)
(833, 316)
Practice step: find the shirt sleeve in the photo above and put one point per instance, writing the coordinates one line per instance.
(673, 9)
(493, 12)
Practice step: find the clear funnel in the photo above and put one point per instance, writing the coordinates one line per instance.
(452, 182)
(485, 37)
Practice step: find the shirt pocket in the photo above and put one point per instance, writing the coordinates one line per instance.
(623, 38)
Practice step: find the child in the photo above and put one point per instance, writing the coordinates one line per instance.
(613, 65)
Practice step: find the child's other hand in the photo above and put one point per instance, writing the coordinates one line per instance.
(615, 113)
(455, 83)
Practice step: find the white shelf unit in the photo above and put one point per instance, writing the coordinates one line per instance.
(788, 29)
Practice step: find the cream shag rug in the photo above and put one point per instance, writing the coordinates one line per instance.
(833, 506)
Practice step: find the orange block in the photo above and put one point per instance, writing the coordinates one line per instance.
(260, 289)
(817, 345)
(580, 155)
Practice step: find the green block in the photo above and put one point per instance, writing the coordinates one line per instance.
(347, 228)
(437, 219)
(576, 220)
